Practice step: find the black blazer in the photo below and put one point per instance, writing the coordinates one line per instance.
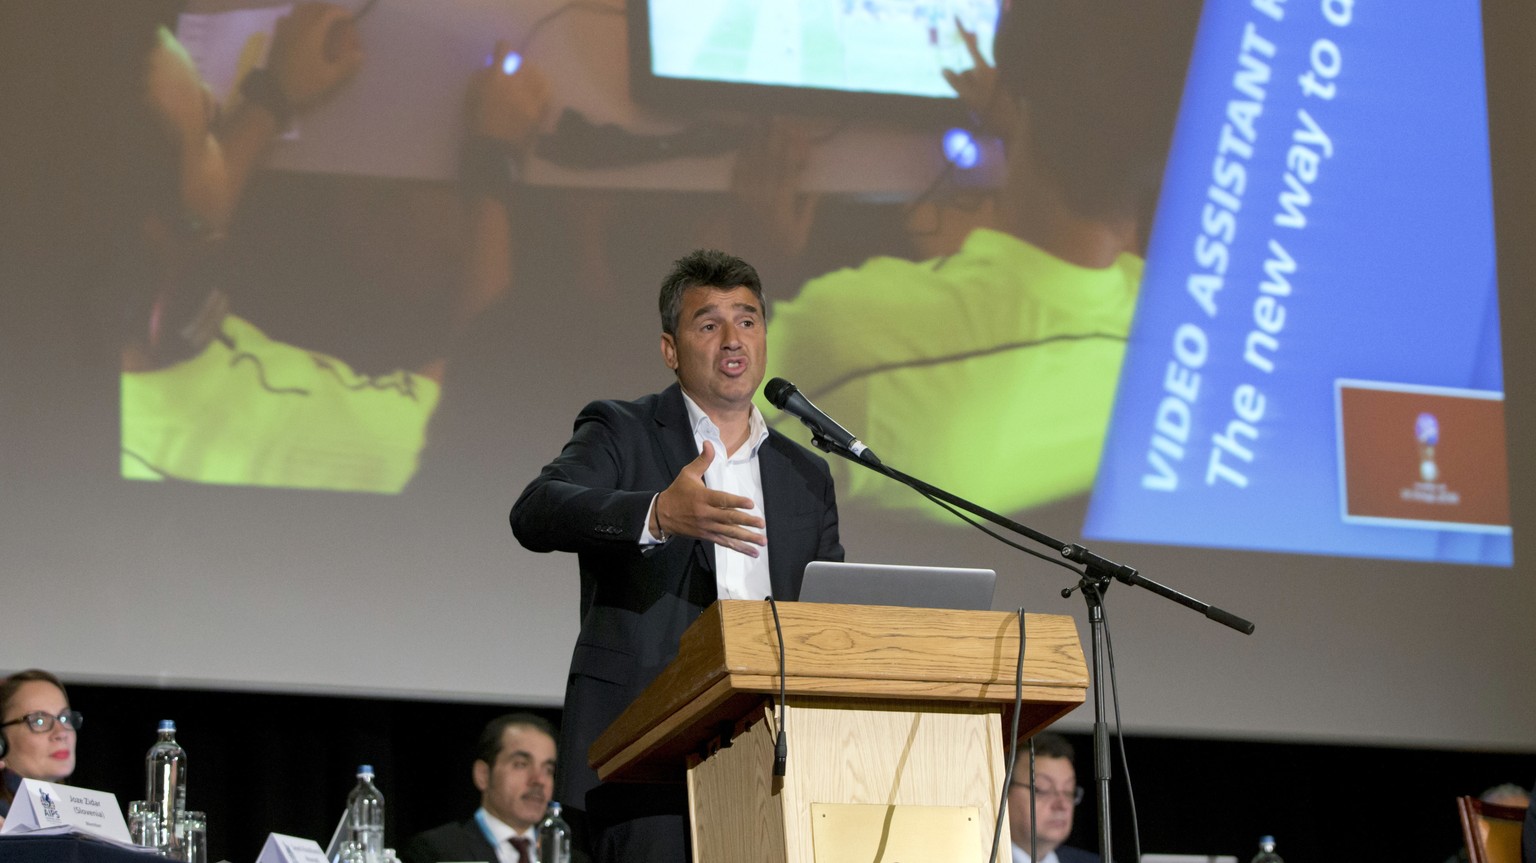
(635, 603)
(461, 841)
(457, 840)
(1068, 854)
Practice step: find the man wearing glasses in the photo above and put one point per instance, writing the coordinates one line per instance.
(37, 732)
(1056, 795)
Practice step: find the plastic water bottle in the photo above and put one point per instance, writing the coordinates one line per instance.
(166, 782)
(1267, 851)
(365, 811)
(554, 837)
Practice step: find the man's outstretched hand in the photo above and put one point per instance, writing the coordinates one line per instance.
(689, 508)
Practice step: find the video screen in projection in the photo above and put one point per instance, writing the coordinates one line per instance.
(869, 46)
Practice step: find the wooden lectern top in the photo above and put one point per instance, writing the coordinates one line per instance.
(728, 662)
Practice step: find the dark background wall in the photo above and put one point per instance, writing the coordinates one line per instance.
(263, 763)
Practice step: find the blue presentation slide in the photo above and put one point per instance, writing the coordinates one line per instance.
(1314, 364)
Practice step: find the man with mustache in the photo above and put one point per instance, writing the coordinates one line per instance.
(514, 770)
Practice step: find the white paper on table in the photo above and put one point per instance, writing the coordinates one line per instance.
(290, 849)
(48, 808)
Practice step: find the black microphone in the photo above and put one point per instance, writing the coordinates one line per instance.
(783, 395)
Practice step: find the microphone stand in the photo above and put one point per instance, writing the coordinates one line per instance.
(1097, 574)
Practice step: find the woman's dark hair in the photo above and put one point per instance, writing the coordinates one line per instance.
(12, 684)
(8, 689)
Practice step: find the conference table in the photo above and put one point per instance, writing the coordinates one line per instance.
(66, 849)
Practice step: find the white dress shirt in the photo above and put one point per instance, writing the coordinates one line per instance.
(737, 576)
(1022, 856)
(497, 832)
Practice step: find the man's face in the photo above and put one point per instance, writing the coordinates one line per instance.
(1055, 783)
(720, 350)
(516, 788)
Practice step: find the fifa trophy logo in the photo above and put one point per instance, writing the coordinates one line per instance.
(1427, 429)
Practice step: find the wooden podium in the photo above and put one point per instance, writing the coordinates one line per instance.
(895, 720)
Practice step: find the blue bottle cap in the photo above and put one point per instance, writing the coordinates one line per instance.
(365, 770)
(167, 725)
(554, 808)
(1266, 840)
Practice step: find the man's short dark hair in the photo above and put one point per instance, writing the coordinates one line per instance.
(95, 155)
(1101, 82)
(489, 746)
(1049, 744)
(705, 268)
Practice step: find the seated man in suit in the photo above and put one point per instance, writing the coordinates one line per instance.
(1056, 796)
(515, 771)
(1528, 837)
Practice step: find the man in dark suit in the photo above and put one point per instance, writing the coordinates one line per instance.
(1528, 835)
(514, 769)
(670, 502)
(1056, 796)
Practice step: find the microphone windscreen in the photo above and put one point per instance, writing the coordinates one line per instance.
(778, 392)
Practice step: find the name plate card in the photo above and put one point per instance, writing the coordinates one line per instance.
(290, 849)
(64, 809)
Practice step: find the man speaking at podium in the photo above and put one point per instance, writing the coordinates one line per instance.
(670, 502)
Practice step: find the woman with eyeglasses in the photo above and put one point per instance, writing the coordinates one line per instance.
(37, 732)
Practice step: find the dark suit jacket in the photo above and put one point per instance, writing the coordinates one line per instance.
(635, 603)
(458, 840)
(1068, 854)
(1528, 837)
(1065, 854)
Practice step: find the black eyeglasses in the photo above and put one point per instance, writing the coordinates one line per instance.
(1075, 796)
(41, 722)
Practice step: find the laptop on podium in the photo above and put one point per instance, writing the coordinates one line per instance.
(896, 584)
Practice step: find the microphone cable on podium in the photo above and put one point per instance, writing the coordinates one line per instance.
(1013, 747)
(781, 744)
(1125, 765)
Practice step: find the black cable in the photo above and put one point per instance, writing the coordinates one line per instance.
(1114, 697)
(937, 183)
(837, 129)
(781, 745)
(1034, 838)
(975, 128)
(827, 388)
(261, 375)
(1013, 744)
(999, 537)
(147, 464)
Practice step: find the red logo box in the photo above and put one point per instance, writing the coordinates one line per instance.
(1427, 457)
